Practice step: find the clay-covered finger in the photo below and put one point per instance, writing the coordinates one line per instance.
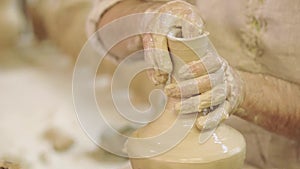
(156, 53)
(148, 44)
(162, 55)
(208, 64)
(195, 86)
(213, 119)
(189, 87)
(206, 100)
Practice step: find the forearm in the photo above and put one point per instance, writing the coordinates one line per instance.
(121, 9)
(61, 21)
(272, 104)
(65, 22)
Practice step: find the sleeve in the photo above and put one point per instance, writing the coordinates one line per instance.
(99, 7)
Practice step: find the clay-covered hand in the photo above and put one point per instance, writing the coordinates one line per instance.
(209, 86)
(174, 14)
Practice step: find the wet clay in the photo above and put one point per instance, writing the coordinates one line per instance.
(225, 149)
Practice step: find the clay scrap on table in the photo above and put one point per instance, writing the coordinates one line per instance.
(9, 165)
(60, 141)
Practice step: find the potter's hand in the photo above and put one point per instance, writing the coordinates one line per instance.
(210, 86)
(174, 14)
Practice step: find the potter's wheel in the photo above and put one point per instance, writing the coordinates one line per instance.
(128, 166)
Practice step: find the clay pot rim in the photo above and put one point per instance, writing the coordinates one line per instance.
(173, 38)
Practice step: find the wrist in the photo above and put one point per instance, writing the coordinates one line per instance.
(240, 110)
(271, 103)
(251, 92)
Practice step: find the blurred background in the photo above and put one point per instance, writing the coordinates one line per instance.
(38, 126)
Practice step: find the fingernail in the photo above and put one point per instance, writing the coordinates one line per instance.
(200, 123)
(185, 107)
